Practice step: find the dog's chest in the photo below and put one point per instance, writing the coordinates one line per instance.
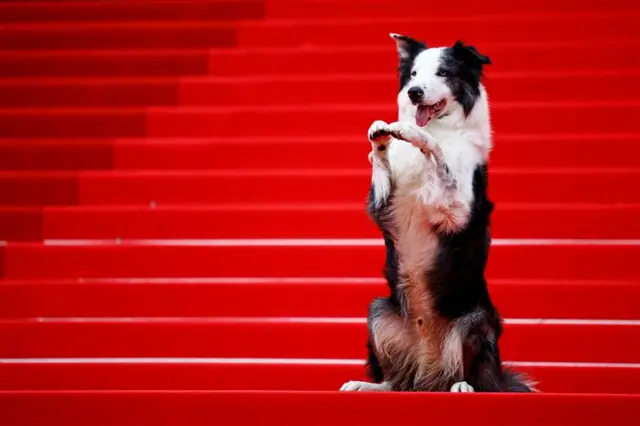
(416, 240)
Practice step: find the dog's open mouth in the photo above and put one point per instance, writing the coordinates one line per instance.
(426, 113)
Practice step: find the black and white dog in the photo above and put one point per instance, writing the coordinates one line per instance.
(438, 330)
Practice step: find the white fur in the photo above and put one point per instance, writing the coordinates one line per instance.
(358, 386)
(425, 66)
(462, 387)
(464, 142)
(451, 361)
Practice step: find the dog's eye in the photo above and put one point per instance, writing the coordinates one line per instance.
(414, 73)
(442, 73)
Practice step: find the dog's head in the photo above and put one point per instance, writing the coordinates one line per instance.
(435, 82)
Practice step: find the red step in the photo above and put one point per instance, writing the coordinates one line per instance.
(617, 25)
(294, 186)
(622, 150)
(381, 58)
(83, 10)
(88, 92)
(440, 30)
(286, 90)
(105, 63)
(44, 11)
(296, 297)
(311, 120)
(272, 338)
(408, 8)
(343, 258)
(302, 120)
(119, 35)
(286, 61)
(230, 408)
(596, 221)
(231, 63)
(380, 88)
(268, 375)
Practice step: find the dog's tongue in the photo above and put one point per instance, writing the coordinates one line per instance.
(423, 115)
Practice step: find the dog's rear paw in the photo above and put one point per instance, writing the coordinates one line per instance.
(462, 387)
(357, 386)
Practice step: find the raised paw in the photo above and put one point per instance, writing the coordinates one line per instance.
(358, 386)
(462, 387)
(379, 133)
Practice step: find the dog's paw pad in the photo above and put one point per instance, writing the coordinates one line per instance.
(462, 387)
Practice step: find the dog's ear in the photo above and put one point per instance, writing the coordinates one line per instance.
(470, 55)
(408, 48)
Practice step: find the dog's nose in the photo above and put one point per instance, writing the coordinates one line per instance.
(415, 94)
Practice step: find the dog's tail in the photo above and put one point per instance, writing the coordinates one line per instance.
(519, 382)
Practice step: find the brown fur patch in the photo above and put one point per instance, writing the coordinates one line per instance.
(419, 350)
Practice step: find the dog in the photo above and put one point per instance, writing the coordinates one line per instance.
(438, 330)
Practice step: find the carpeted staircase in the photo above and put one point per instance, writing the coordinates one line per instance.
(182, 188)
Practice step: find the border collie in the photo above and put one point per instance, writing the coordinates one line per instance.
(438, 330)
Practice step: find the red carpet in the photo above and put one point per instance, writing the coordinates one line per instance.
(182, 188)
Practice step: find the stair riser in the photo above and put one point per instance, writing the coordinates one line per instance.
(339, 222)
(157, 188)
(247, 9)
(339, 152)
(271, 377)
(349, 89)
(514, 299)
(619, 25)
(70, 11)
(316, 60)
(506, 262)
(559, 118)
(568, 343)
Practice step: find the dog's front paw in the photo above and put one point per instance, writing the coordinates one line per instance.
(379, 132)
(412, 134)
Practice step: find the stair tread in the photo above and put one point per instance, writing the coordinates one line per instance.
(297, 297)
(270, 374)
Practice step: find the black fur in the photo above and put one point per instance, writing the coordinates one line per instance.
(464, 65)
(458, 279)
(408, 49)
(378, 214)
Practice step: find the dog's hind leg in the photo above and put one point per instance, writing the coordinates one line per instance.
(374, 370)
(390, 349)
(486, 372)
(373, 363)
(374, 366)
(358, 386)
